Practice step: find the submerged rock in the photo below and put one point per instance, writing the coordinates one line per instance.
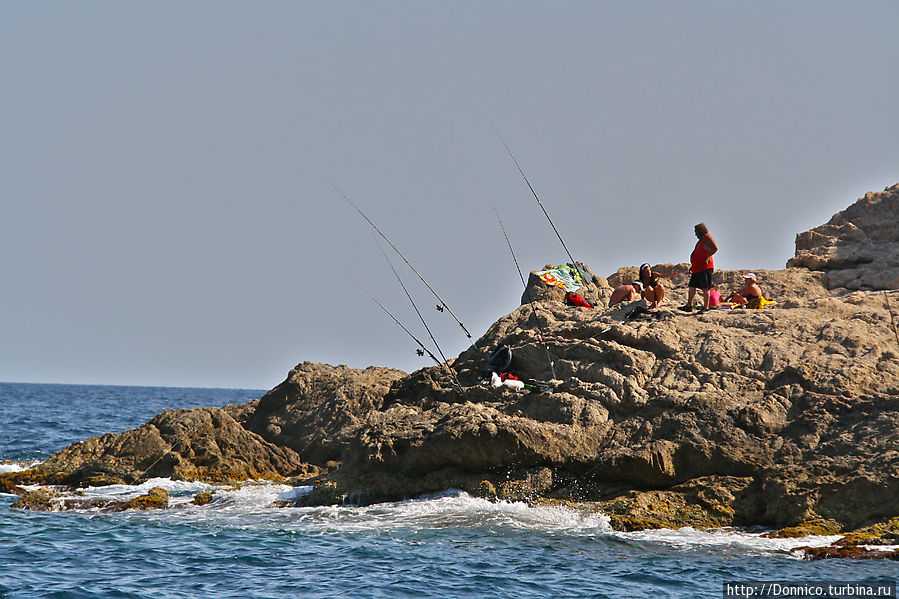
(831, 552)
(203, 498)
(51, 500)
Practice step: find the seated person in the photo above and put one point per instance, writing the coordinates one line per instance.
(653, 292)
(750, 291)
(625, 293)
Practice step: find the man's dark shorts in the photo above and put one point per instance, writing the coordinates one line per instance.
(702, 280)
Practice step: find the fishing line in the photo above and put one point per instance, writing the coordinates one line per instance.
(442, 304)
(886, 298)
(422, 318)
(390, 314)
(542, 337)
(536, 197)
(574, 263)
(187, 434)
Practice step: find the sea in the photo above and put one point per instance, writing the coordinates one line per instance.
(446, 545)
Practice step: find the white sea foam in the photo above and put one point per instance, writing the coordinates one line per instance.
(11, 466)
(253, 505)
(724, 540)
(447, 510)
(179, 491)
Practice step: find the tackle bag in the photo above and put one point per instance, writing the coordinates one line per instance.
(573, 299)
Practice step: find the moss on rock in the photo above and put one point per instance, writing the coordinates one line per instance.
(809, 528)
(882, 533)
(7, 486)
(156, 498)
(39, 500)
(642, 510)
(203, 497)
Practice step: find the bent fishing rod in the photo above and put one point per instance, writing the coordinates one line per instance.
(530, 299)
(422, 318)
(442, 305)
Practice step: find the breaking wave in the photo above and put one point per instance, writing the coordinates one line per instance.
(252, 505)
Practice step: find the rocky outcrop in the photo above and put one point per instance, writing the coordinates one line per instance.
(197, 444)
(314, 408)
(784, 417)
(859, 247)
(778, 413)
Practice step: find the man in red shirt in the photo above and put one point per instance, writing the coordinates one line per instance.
(701, 267)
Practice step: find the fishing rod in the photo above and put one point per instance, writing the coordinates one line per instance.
(442, 305)
(541, 337)
(536, 197)
(423, 347)
(422, 318)
(886, 299)
(892, 321)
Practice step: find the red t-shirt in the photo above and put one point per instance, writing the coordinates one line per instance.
(700, 259)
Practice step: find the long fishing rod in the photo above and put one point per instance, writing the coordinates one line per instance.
(892, 321)
(424, 348)
(440, 307)
(422, 318)
(536, 197)
(886, 298)
(542, 337)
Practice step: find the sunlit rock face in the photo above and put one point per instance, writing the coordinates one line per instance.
(859, 247)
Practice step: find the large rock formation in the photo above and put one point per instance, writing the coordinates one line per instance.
(859, 247)
(787, 416)
(198, 444)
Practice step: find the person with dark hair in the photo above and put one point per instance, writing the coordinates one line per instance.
(653, 292)
(701, 267)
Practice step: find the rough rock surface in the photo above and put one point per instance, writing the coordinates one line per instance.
(783, 417)
(195, 444)
(859, 247)
(311, 411)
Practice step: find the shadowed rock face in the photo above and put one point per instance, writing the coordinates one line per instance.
(784, 416)
(859, 247)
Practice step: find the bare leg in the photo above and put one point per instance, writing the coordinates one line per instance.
(739, 299)
(691, 295)
(660, 295)
(706, 298)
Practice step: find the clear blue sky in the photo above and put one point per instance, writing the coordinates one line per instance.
(166, 212)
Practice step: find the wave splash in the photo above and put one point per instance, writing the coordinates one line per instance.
(252, 506)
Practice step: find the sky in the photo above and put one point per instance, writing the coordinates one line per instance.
(166, 169)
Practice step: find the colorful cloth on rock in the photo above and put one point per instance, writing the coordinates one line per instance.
(564, 277)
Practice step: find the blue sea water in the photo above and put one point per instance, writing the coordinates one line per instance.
(240, 545)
